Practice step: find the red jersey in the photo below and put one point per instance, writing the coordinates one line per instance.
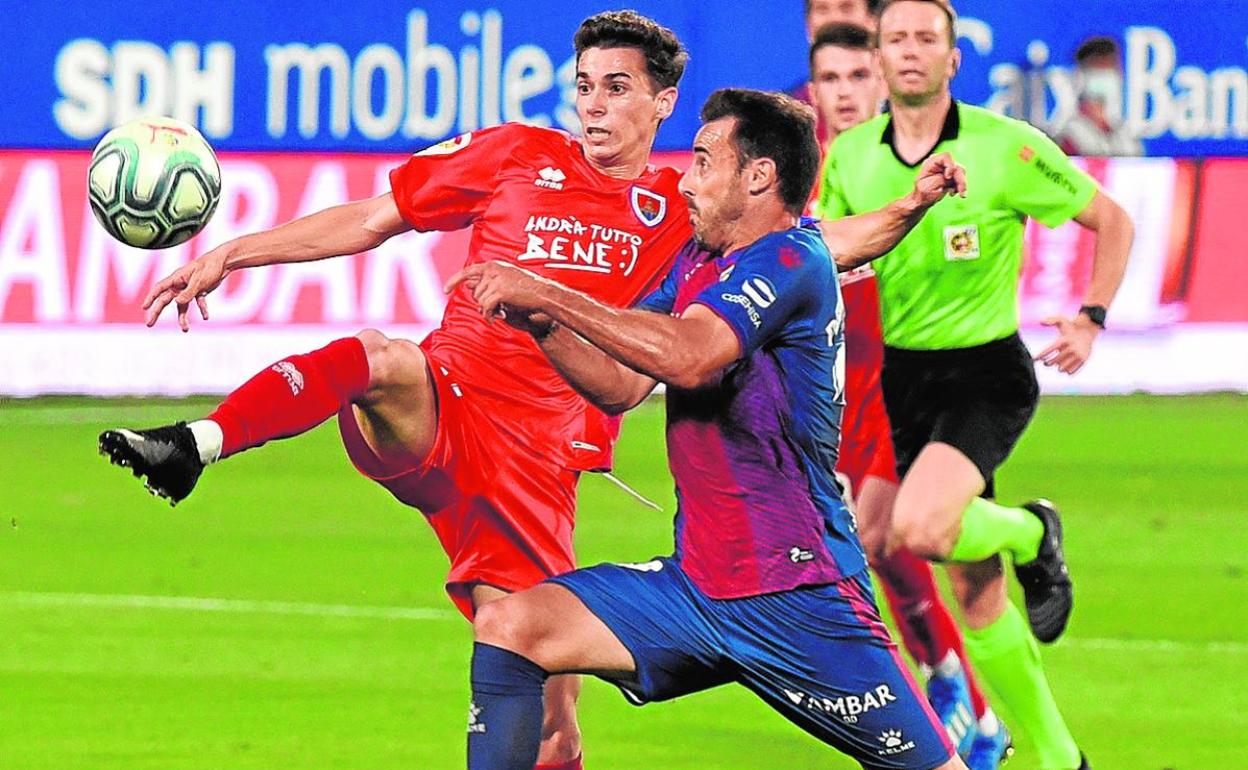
(532, 199)
(864, 339)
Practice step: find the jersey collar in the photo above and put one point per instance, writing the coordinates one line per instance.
(948, 132)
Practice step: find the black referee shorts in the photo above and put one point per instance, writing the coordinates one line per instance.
(978, 400)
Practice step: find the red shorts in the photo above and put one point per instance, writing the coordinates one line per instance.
(503, 514)
(866, 437)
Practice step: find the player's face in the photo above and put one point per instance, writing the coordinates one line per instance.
(715, 186)
(618, 108)
(846, 86)
(915, 53)
(837, 12)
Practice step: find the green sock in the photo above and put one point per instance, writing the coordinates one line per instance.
(989, 529)
(1006, 655)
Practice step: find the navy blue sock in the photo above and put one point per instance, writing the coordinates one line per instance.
(505, 718)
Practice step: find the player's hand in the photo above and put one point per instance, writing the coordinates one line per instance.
(939, 176)
(534, 322)
(190, 283)
(497, 284)
(1073, 345)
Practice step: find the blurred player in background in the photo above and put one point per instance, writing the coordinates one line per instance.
(768, 586)
(1096, 128)
(847, 88)
(959, 386)
(819, 14)
(473, 426)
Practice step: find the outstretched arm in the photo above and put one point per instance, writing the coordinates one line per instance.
(858, 239)
(689, 351)
(336, 231)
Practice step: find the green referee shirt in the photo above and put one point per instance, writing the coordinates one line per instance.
(952, 282)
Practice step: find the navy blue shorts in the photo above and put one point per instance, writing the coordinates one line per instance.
(820, 656)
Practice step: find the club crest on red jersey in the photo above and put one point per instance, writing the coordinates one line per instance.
(649, 207)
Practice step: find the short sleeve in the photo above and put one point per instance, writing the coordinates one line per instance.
(446, 186)
(1042, 182)
(663, 298)
(770, 283)
(831, 203)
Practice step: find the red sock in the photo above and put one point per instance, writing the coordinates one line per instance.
(927, 628)
(571, 764)
(292, 396)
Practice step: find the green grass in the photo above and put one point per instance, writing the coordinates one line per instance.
(1150, 675)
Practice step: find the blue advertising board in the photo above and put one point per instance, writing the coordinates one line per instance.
(378, 75)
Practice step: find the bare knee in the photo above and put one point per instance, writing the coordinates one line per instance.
(923, 530)
(506, 623)
(374, 342)
(390, 361)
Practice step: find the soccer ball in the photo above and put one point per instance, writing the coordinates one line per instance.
(153, 182)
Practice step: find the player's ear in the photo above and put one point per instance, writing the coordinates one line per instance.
(665, 102)
(955, 62)
(762, 175)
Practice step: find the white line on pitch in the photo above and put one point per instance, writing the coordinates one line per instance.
(89, 414)
(1155, 645)
(203, 604)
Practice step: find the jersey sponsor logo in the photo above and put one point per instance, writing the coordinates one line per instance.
(847, 708)
(894, 743)
(961, 242)
(1056, 177)
(760, 291)
(744, 302)
(649, 207)
(449, 146)
(566, 243)
(551, 178)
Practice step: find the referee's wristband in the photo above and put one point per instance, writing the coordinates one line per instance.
(1095, 314)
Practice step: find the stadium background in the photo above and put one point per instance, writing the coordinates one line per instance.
(290, 614)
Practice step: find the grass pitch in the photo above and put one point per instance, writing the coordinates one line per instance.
(290, 614)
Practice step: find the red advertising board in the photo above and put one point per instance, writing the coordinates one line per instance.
(68, 292)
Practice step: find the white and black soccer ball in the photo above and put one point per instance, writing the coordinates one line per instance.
(153, 182)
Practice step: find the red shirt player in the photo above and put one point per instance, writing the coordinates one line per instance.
(473, 425)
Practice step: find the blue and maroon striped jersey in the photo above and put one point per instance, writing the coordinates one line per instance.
(752, 455)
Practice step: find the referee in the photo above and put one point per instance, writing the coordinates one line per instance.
(959, 386)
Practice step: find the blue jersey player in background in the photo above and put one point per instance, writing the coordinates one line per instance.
(768, 586)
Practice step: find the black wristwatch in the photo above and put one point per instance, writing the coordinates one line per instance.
(1095, 314)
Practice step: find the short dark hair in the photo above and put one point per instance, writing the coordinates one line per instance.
(1096, 48)
(943, 5)
(851, 36)
(776, 126)
(665, 56)
(872, 6)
